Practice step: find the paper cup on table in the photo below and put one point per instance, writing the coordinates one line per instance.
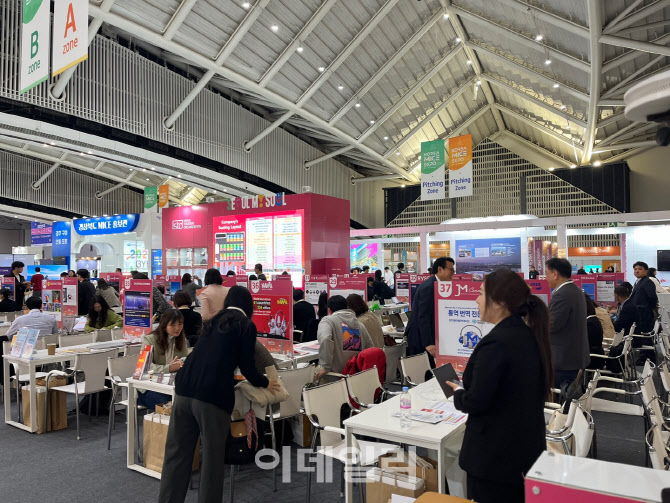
(51, 349)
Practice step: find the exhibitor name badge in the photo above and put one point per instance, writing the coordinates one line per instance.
(432, 170)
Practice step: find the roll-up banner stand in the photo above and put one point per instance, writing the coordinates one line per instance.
(273, 314)
(138, 308)
(52, 297)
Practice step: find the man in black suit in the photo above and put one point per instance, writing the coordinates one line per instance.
(421, 326)
(20, 284)
(644, 299)
(567, 316)
(626, 314)
(303, 311)
(85, 292)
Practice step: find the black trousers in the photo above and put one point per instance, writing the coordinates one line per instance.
(489, 491)
(189, 420)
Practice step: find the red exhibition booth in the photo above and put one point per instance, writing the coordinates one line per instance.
(298, 233)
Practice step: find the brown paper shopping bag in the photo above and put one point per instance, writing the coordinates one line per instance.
(25, 397)
(155, 436)
(381, 486)
(57, 402)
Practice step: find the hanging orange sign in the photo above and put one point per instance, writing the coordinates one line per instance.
(163, 195)
(595, 251)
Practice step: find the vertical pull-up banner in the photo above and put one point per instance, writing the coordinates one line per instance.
(36, 21)
(460, 166)
(70, 37)
(432, 170)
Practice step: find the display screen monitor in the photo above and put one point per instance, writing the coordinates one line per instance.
(48, 271)
(663, 260)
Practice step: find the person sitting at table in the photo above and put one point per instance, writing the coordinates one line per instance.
(380, 289)
(322, 310)
(35, 318)
(338, 332)
(205, 397)
(7, 305)
(370, 321)
(108, 293)
(594, 331)
(626, 312)
(100, 316)
(263, 358)
(192, 319)
(169, 346)
(303, 311)
(505, 385)
(213, 296)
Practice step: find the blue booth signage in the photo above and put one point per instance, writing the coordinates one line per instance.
(61, 238)
(156, 263)
(117, 224)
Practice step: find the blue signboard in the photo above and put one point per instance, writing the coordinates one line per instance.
(476, 256)
(40, 233)
(156, 263)
(61, 241)
(117, 224)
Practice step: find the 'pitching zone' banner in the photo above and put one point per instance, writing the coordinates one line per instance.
(432, 170)
(460, 166)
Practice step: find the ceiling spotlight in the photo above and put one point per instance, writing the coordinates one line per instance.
(340, 87)
(446, 16)
(386, 137)
(300, 49)
(597, 163)
(551, 169)
(562, 107)
(169, 178)
(147, 179)
(479, 82)
(89, 152)
(397, 153)
(45, 145)
(274, 28)
(225, 190)
(246, 5)
(469, 61)
(538, 38)
(372, 122)
(153, 169)
(214, 191)
(358, 105)
(144, 169)
(403, 185)
(547, 62)
(178, 176)
(321, 69)
(52, 143)
(458, 40)
(556, 86)
(573, 166)
(81, 153)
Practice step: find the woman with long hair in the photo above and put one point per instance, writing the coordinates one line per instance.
(505, 385)
(101, 316)
(108, 293)
(322, 310)
(205, 397)
(188, 285)
(370, 321)
(169, 346)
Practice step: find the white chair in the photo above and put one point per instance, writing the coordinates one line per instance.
(120, 369)
(65, 341)
(117, 333)
(393, 355)
(578, 437)
(323, 405)
(414, 368)
(21, 376)
(132, 349)
(363, 387)
(94, 367)
(103, 335)
(658, 451)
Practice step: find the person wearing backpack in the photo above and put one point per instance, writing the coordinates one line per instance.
(205, 398)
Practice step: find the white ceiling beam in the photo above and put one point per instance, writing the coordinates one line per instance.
(328, 72)
(93, 27)
(472, 56)
(621, 146)
(36, 184)
(644, 27)
(178, 18)
(611, 120)
(625, 155)
(354, 181)
(428, 118)
(611, 102)
(205, 62)
(637, 16)
(549, 17)
(596, 25)
(638, 45)
(636, 132)
(325, 157)
(623, 86)
(290, 49)
(540, 127)
(580, 95)
(387, 66)
(622, 14)
(225, 52)
(632, 54)
(100, 195)
(534, 100)
(522, 39)
(613, 137)
(532, 146)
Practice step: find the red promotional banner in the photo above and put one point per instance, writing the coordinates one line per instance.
(457, 324)
(540, 287)
(229, 281)
(138, 308)
(347, 284)
(9, 283)
(52, 296)
(160, 280)
(69, 297)
(273, 308)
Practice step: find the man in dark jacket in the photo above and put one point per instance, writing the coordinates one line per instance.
(421, 326)
(20, 284)
(85, 292)
(644, 299)
(303, 311)
(626, 314)
(567, 316)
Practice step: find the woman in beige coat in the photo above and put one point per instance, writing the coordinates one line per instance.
(370, 321)
(213, 296)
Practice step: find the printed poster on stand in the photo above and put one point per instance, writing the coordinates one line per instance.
(138, 308)
(462, 277)
(588, 285)
(273, 308)
(540, 287)
(347, 284)
(172, 284)
(52, 296)
(605, 285)
(35, 43)
(414, 281)
(9, 283)
(457, 322)
(315, 284)
(69, 297)
(402, 287)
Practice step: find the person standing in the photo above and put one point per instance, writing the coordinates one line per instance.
(258, 270)
(303, 311)
(625, 314)
(388, 277)
(505, 385)
(644, 299)
(190, 287)
(421, 326)
(205, 397)
(213, 296)
(567, 312)
(401, 268)
(654, 279)
(533, 274)
(85, 292)
(20, 285)
(36, 282)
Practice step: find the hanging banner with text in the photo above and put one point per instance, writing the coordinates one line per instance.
(70, 35)
(163, 196)
(402, 287)
(36, 21)
(460, 166)
(432, 170)
(150, 197)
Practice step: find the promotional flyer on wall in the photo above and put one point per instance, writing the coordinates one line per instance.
(481, 256)
(137, 308)
(273, 308)
(315, 284)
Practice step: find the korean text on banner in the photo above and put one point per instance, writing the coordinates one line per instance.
(163, 196)
(70, 34)
(432, 170)
(150, 197)
(34, 43)
(460, 166)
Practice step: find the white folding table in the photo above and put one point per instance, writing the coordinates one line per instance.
(379, 422)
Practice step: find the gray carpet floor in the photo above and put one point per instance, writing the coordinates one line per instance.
(56, 468)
